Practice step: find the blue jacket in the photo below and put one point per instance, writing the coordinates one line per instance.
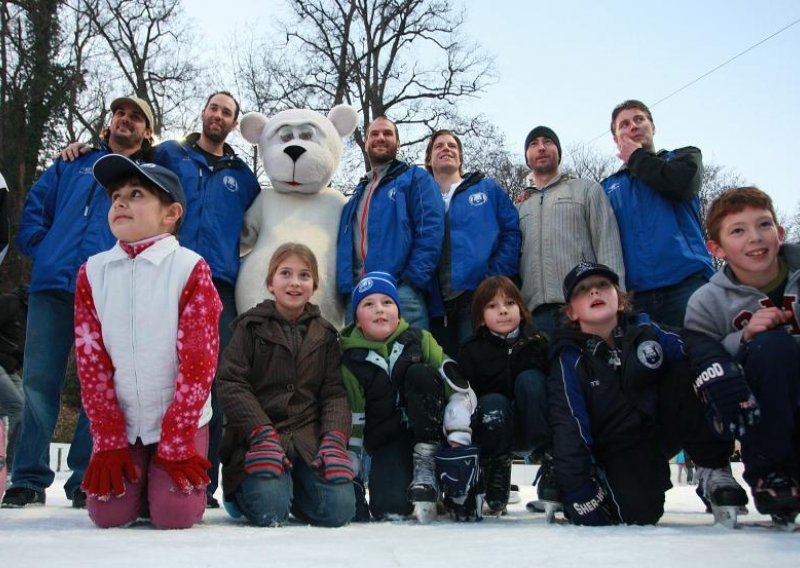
(485, 238)
(64, 222)
(405, 228)
(657, 208)
(216, 200)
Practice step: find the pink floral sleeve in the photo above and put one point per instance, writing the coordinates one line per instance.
(198, 348)
(96, 372)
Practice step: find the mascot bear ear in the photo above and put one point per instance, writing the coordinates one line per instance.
(344, 119)
(252, 125)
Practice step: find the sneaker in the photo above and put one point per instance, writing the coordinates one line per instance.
(362, 509)
(79, 499)
(211, 502)
(19, 497)
(776, 493)
(717, 487)
(497, 479)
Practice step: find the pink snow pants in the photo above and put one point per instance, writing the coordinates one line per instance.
(154, 492)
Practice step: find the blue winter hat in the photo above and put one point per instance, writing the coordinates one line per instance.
(375, 282)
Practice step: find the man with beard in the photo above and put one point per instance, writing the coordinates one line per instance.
(394, 223)
(219, 188)
(564, 220)
(655, 199)
(64, 222)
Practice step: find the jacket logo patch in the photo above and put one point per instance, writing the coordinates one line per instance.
(613, 187)
(230, 183)
(86, 171)
(650, 354)
(478, 198)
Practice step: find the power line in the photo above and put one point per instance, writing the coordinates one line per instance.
(710, 71)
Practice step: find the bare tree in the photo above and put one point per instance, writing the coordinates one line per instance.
(583, 161)
(404, 58)
(138, 47)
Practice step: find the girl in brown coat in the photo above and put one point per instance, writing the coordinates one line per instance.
(288, 418)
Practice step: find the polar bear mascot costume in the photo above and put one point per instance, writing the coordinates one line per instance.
(300, 150)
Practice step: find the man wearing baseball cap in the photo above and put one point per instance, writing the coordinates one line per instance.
(564, 220)
(64, 222)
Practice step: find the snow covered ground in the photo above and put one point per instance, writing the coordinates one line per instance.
(59, 536)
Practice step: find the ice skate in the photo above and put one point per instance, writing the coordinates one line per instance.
(423, 491)
(549, 501)
(466, 509)
(778, 495)
(722, 494)
(497, 480)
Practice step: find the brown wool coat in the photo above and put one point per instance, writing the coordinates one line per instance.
(262, 381)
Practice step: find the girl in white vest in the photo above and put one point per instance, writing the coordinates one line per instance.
(146, 342)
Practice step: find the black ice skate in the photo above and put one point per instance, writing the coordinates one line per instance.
(423, 491)
(549, 501)
(497, 478)
(778, 495)
(722, 494)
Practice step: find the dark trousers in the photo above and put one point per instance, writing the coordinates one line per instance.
(772, 366)
(226, 294)
(502, 425)
(452, 330)
(392, 464)
(637, 475)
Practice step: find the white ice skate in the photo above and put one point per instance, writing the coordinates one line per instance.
(722, 494)
(423, 491)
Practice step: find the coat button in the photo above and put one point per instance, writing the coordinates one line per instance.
(290, 388)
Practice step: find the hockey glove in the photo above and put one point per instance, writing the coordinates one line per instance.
(457, 470)
(107, 473)
(458, 418)
(590, 506)
(265, 457)
(333, 462)
(730, 406)
(188, 474)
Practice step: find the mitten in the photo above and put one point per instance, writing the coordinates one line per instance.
(458, 418)
(265, 457)
(333, 462)
(107, 473)
(589, 505)
(457, 470)
(730, 406)
(188, 474)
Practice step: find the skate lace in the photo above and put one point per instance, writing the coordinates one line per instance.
(713, 479)
(546, 473)
(424, 470)
(777, 480)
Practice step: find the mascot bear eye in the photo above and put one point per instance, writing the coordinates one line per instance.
(306, 132)
(285, 133)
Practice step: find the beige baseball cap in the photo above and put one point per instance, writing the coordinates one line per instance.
(141, 104)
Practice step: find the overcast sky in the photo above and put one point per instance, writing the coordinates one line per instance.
(566, 64)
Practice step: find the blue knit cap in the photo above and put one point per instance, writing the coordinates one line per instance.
(375, 283)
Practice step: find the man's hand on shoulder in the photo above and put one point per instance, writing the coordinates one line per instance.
(764, 320)
(74, 151)
(626, 147)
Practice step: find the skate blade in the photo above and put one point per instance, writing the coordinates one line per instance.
(725, 515)
(425, 512)
(549, 508)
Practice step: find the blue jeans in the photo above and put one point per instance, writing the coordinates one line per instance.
(50, 336)
(452, 330)
(413, 308)
(501, 425)
(668, 305)
(267, 502)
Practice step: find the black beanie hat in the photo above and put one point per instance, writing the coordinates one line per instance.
(547, 133)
